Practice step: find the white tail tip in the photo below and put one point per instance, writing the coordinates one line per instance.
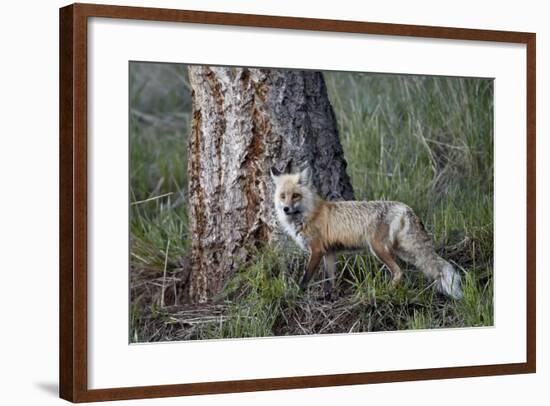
(450, 283)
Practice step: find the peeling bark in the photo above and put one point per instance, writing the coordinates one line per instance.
(245, 121)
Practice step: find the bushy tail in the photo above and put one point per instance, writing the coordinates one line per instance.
(415, 246)
(448, 280)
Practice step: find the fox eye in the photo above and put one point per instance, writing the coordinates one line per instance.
(282, 195)
(296, 196)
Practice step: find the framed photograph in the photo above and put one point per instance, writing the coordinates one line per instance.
(254, 202)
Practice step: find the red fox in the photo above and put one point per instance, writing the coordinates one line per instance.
(389, 229)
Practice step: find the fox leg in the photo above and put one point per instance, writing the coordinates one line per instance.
(384, 254)
(316, 254)
(330, 270)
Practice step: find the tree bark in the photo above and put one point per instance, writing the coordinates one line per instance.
(245, 121)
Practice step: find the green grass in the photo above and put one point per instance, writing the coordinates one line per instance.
(426, 141)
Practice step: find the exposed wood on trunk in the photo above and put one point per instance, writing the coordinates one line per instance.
(245, 121)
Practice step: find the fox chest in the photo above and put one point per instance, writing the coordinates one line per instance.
(302, 241)
(297, 235)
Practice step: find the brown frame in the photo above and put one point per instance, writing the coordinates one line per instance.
(73, 202)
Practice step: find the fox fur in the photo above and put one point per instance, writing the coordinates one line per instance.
(389, 229)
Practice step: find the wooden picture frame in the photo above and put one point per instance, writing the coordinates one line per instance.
(73, 198)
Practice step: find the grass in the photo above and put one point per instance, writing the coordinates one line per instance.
(426, 141)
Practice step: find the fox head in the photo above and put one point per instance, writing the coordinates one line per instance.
(294, 193)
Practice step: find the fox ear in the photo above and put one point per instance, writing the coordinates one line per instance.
(274, 174)
(304, 177)
(288, 167)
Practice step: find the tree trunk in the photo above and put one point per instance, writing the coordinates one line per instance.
(244, 122)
